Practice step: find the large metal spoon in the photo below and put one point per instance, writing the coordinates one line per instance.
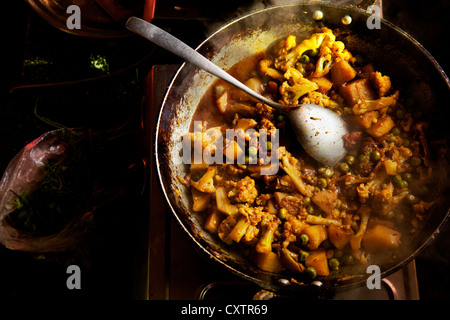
(319, 130)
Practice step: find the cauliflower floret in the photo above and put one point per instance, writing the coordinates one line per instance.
(285, 61)
(265, 69)
(265, 111)
(294, 76)
(291, 166)
(363, 191)
(269, 224)
(245, 191)
(364, 106)
(382, 84)
(324, 62)
(290, 42)
(315, 97)
(266, 124)
(339, 52)
(206, 182)
(225, 228)
(291, 94)
(247, 224)
(385, 202)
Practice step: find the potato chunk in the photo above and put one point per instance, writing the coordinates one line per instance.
(381, 127)
(326, 200)
(268, 262)
(360, 89)
(380, 238)
(318, 260)
(324, 84)
(200, 200)
(342, 72)
(316, 234)
(339, 237)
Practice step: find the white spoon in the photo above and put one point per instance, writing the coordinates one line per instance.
(319, 130)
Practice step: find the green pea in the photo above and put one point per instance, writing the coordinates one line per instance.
(396, 131)
(306, 201)
(303, 255)
(406, 142)
(312, 52)
(333, 263)
(252, 151)
(310, 273)
(328, 172)
(304, 59)
(350, 160)
(375, 155)
(282, 213)
(322, 183)
(344, 167)
(362, 158)
(402, 184)
(337, 253)
(304, 239)
(280, 118)
(348, 260)
(392, 138)
(310, 209)
(407, 176)
(390, 215)
(415, 161)
(412, 199)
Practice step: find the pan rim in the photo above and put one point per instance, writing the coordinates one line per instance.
(204, 248)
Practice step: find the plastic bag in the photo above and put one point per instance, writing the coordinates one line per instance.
(45, 194)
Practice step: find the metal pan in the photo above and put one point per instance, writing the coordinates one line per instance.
(391, 50)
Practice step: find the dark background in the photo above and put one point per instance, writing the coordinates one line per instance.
(103, 101)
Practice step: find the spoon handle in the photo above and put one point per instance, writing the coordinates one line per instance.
(179, 48)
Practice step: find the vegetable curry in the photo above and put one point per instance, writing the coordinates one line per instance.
(306, 218)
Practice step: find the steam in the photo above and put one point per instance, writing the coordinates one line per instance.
(258, 5)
